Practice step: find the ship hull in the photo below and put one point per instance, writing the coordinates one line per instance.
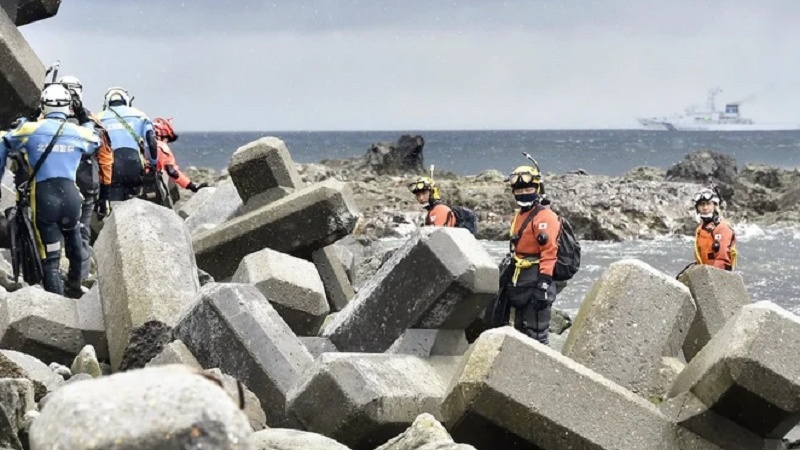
(732, 127)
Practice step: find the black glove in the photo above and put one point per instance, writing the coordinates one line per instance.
(78, 109)
(103, 206)
(196, 187)
(540, 291)
(35, 114)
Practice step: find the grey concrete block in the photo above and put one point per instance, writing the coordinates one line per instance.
(147, 275)
(19, 365)
(559, 405)
(242, 396)
(21, 74)
(157, 408)
(317, 345)
(325, 210)
(690, 413)
(234, 328)
(424, 343)
(223, 204)
(91, 322)
(367, 398)
(262, 165)
(338, 289)
(195, 202)
(23, 12)
(440, 278)
(291, 285)
(631, 317)
(286, 439)
(41, 324)
(16, 400)
(719, 295)
(175, 352)
(265, 198)
(748, 371)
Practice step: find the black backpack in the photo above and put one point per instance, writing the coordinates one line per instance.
(568, 261)
(465, 218)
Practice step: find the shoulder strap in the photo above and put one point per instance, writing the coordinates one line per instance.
(47, 151)
(529, 219)
(127, 127)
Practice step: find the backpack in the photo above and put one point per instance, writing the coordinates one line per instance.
(568, 256)
(465, 218)
(568, 260)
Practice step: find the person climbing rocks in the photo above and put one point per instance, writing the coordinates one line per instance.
(429, 197)
(165, 134)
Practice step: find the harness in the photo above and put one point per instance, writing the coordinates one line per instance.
(528, 260)
(133, 134)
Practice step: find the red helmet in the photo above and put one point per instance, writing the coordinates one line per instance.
(164, 129)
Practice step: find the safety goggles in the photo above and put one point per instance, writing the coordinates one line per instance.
(419, 186)
(703, 196)
(524, 177)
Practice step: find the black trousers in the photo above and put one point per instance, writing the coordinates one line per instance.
(56, 206)
(532, 315)
(87, 208)
(126, 176)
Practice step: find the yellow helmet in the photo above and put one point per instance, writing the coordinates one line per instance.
(425, 184)
(524, 177)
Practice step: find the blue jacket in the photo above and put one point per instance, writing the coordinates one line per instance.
(30, 139)
(121, 137)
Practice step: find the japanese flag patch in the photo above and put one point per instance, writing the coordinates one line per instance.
(543, 225)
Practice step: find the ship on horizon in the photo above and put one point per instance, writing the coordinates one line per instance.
(711, 119)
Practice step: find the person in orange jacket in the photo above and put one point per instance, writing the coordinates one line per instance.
(165, 134)
(429, 197)
(529, 287)
(715, 240)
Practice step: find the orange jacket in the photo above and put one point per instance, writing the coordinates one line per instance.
(544, 222)
(441, 216)
(166, 161)
(706, 236)
(105, 154)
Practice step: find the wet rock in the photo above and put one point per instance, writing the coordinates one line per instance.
(19, 365)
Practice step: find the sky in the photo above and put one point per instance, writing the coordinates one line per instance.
(293, 65)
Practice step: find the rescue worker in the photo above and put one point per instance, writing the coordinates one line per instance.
(133, 141)
(54, 198)
(529, 286)
(429, 197)
(94, 172)
(165, 134)
(715, 241)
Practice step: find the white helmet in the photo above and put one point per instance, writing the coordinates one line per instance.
(72, 83)
(707, 195)
(56, 98)
(116, 93)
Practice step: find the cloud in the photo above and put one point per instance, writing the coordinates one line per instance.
(416, 65)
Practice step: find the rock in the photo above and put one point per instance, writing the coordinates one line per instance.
(245, 398)
(61, 370)
(426, 433)
(317, 345)
(147, 274)
(19, 365)
(23, 12)
(175, 352)
(21, 73)
(163, 407)
(403, 157)
(631, 317)
(719, 295)
(203, 277)
(41, 324)
(560, 321)
(291, 285)
(325, 210)
(493, 404)
(338, 289)
(762, 174)
(16, 400)
(263, 165)
(442, 276)
(221, 205)
(233, 327)
(86, 362)
(729, 374)
(194, 203)
(705, 166)
(286, 439)
(367, 398)
(644, 173)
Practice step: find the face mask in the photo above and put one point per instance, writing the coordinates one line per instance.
(526, 200)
